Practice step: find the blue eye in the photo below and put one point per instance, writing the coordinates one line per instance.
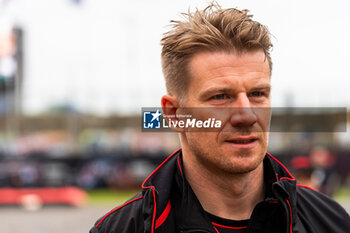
(256, 94)
(219, 97)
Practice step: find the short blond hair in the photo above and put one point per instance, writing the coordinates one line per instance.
(212, 29)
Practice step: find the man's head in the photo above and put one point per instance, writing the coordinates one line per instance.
(213, 29)
(219, 59)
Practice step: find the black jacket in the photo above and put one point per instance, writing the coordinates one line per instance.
(168, 204)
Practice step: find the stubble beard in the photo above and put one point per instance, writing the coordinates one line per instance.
(218, 163)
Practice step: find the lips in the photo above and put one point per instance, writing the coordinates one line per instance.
(242, 140)
(247, 142)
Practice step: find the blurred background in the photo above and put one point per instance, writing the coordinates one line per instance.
(74, 75)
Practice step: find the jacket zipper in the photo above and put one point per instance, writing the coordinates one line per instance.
(283, 200)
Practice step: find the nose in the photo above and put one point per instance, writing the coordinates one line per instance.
(243, 114)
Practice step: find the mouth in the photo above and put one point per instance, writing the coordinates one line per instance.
(243, 142)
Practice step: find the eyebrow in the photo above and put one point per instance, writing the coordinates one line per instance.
(211, 91)
(262, 87)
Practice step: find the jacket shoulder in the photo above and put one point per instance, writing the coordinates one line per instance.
(124, 218)
(321, 211)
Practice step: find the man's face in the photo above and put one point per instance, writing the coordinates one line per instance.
(240, 82)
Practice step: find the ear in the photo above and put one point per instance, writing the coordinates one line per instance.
(170, 105)
(170, 102)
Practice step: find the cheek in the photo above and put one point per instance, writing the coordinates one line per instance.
(264, 118)
(267, 135)
(264, 141)
(206, 139)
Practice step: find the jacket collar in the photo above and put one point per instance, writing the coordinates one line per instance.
(157, 189)
(285, 190)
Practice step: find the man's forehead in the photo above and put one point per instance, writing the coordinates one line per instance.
(224, 62)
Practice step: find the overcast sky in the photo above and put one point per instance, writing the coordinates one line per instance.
(104, 56)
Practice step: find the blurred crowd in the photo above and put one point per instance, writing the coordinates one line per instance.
(121, 171)
(99, 159)
(322, 169)
(123, 159)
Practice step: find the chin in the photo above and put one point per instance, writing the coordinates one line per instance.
(243, 163)
(245, 169)
(240, 169)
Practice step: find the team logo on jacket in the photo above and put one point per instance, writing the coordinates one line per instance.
(151, 119)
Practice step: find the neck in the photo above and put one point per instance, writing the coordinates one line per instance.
(230, 196)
